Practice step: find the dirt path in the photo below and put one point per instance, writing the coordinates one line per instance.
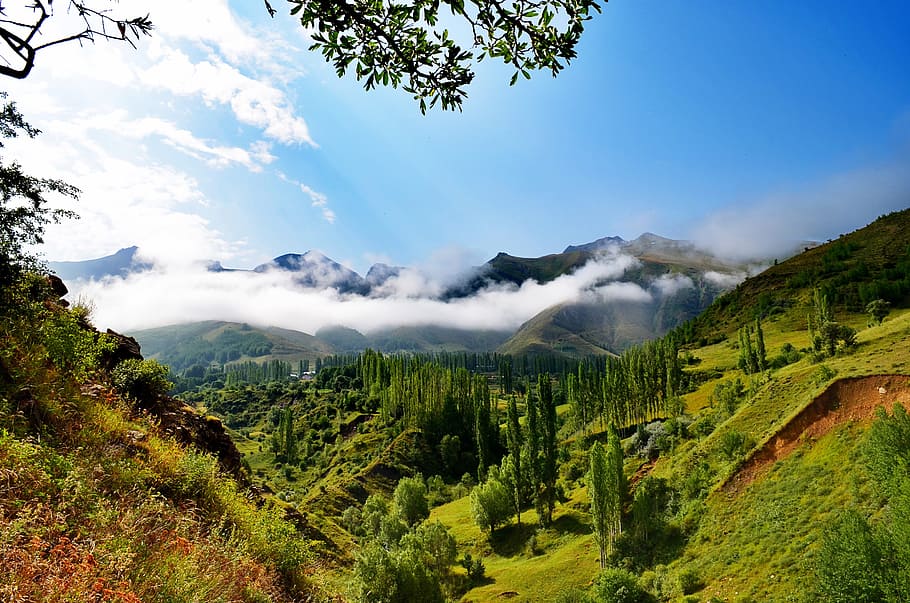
(850, 399)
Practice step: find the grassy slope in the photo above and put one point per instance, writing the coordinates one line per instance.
(565, 554)
(761, 542)
(99, 504)
(287, 345)
(757, 544)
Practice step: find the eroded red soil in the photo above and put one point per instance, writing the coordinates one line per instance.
(850, 399)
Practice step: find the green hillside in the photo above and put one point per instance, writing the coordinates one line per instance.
(857, 268)
(202, 343)
(587, 328)
(111, 491)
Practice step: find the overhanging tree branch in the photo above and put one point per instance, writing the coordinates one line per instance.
(19, 34)
(387, 41)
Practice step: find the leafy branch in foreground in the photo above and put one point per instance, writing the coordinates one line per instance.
(409, 44)
(20, 29)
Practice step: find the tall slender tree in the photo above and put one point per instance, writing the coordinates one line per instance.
(600, 495)
(760, 352)
(616, 482)
(516, 443)
(546, 499)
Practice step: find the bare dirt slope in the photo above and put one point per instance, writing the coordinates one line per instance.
(850, 399)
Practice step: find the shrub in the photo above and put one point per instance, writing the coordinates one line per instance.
(141, 380)
(689, 581)
(573, 595)
(734, 444)
(474, 567)
(70, 345)
(619, 586)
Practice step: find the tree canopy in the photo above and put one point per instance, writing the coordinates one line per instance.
(414, 45)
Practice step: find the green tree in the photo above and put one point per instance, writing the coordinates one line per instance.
(491, 504)
(411, 500)
(410, 44)
(510, 477)
(546, 490)
(450, 451)
(533, 441)
(877, 310)
(511, 464)
(616, 484)
(433, 541)
(24, 204)
(600, 495)
(375, 508)
(375, 570)
(760, 352)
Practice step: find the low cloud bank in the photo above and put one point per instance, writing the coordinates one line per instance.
(776, 226)
(181, 294)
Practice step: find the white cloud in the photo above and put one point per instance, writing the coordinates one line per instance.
(253, 101)
(182, 293)
(725, 281)
(126, 200)
(626, 292)
(317, 199)
(670, 284)
(777, 225)
(214, 155)
(214, 25)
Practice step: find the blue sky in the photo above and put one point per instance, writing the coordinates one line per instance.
(743, 125)
(675, 116)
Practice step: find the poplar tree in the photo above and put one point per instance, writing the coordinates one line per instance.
(515, 442)
(290, 437)
(617, 481)
(600, 495)
(760, 353)
(546, 499)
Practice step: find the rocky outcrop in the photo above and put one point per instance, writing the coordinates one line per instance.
(125, 348)
(58, 289)
(206, 433)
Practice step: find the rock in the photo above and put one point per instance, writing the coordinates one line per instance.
(57, 287)
(125, 348)
(188, 427)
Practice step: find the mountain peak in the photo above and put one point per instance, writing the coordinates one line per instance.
(314, 269)
(598, 245)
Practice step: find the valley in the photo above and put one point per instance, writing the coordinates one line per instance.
(739, 472)
(748, 447)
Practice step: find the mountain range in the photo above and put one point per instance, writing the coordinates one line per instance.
(640, 289)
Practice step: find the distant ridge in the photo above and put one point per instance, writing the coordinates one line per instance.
(121, 263)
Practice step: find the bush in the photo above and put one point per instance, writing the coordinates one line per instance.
(848, 567)
(474, 567)
(689, 582)
(141, 380)
(619, 586)
(734, 444)
(573, 595)
(71, 346)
